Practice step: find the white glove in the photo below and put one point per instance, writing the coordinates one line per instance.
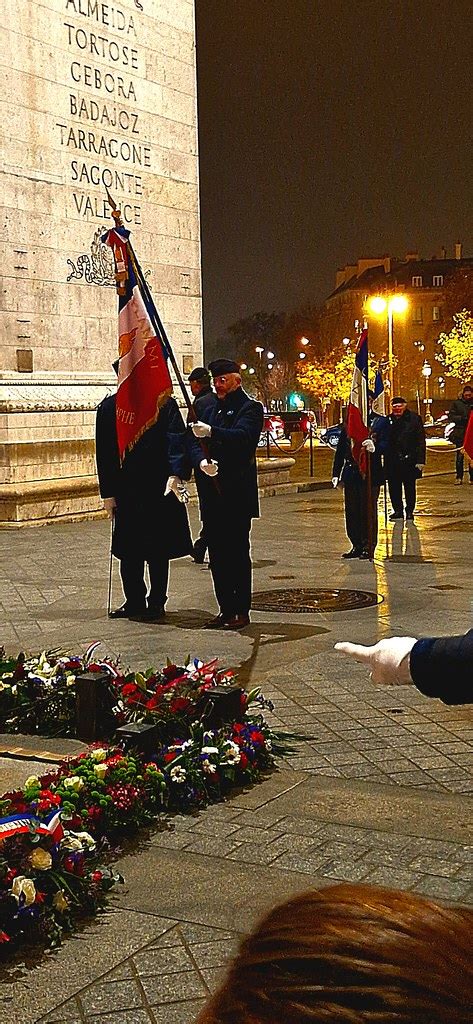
(209, 468)
(335, 481)
(200, 429)
(420, 465)
(387, 660)
(109, 505)
(369, 445)
(178, 487)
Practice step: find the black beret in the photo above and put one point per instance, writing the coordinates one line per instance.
(221, 366)
(115, 365)
(398, 400)
(199, 373)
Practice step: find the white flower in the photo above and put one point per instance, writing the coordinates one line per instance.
(70, 680)
(99, 754)
(268, 744)
(209, 750)
(77, 841)
(41, 859)
(5, 686)
(232, 758)
(178, 774)
(23, 886)
(231, 748)
(100, 770)
(74, 782)
(208, 768)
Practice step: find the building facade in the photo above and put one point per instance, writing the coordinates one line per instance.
(97, 96)
(428, 286)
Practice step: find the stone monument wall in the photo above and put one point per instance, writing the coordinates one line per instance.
(97, 95)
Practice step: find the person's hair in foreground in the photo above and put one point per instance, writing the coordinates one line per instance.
(350, 954)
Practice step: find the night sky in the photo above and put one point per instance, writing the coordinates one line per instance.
(328, 130)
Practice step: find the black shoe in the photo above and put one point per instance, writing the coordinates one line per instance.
(409, 517)
(364, 554)
(396, 515)
(237, 622)
(354, 553)
(127, 613)
(153, 613)
(220, 622)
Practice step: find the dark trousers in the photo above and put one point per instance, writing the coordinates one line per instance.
(228, 540)
(132, 570)
(356, 512)
(200, 543)
(460, 465)
(402, 476)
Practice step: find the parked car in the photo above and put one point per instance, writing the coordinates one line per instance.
(330, 435)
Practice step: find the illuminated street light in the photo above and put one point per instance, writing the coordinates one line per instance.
(301, 355)
(346, 341)
(243, 366)
(426, 372)
(305, 341)
(270, 355)
(270, 366)
(379, 304)
(251, 370)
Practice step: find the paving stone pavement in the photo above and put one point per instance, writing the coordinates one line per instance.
(376, 785)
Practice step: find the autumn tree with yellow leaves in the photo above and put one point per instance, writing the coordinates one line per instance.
(457, 347)
(328, 378)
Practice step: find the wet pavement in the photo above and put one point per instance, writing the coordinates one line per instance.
(376, 788)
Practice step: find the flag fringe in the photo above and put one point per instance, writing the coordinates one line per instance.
(162, 399)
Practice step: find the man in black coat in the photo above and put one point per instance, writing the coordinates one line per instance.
(146, 497)
(459, 414)
(346, 471)
(204, 400)
(229, 497)
(405, 457)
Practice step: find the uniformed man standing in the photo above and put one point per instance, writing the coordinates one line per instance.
(229, 500)
(204, 400)
(150, 524)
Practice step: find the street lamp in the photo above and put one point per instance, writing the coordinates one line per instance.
(259, 350)
(305, 341)
(243, 366)
(301, 355)
(391, 304)
(270, 355)
(251, 370)
(426, 372)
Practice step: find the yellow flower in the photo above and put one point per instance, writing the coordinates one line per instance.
(70, 680)
(23, 886)
(100, 770)
(60, 902)
(99, 754)
(33, 780)
(41, 859)
(74, 782)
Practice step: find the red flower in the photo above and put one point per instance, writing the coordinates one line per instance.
(152, 703)
(96, 876)
(243, 701)
(243, 761)
(4, 937)
(179, 704)
(257, 738)
(68, 864)
(10, 875)
(171, 754)
(40, 897)
(238, 727)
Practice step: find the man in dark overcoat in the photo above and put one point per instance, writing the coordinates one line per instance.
(459, 414)
(146, 496)
(230, 490)
(346, 472)
(405, 457)
(204, 400)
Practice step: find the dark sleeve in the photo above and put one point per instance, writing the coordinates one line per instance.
(443, 667)
(456, 414)
(242, 439)
(178, 454)
(340, 454)
(420, 443)
(106, 450)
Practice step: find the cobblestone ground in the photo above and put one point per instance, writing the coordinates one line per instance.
(375, 788)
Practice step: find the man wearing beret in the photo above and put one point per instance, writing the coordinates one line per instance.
(229, 499)
(204, 400)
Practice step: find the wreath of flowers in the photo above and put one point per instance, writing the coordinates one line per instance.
(54, 830)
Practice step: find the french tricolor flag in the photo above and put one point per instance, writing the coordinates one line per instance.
(144, 381)
(357, 418)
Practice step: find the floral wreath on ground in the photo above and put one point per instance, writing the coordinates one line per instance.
(54, 830)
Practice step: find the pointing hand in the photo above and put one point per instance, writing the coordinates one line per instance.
(387, 661)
